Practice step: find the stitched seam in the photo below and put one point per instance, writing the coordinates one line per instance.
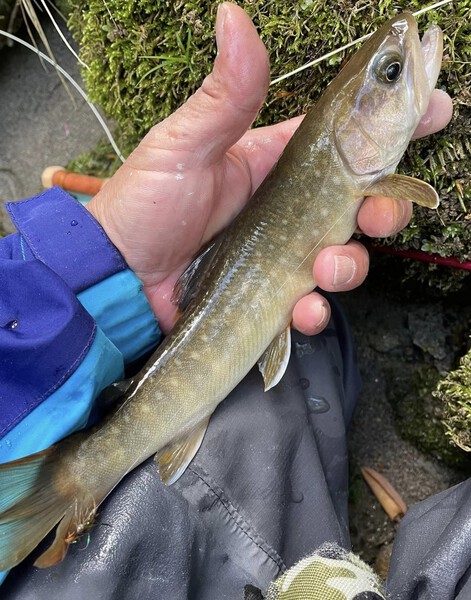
(239, 520)
(11, 212)
(22, 247)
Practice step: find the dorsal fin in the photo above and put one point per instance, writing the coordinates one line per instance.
(187, 284)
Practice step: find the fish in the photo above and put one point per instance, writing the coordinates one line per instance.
(236, 299)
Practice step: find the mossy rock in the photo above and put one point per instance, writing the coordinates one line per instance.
(146, 58)
(454, 392)
(420, 418)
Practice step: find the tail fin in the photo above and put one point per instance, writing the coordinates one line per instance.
(31, 503)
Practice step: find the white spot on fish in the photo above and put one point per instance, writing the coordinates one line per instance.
(190, 193)
(183, 223)
(336, 180)
(179, 176)
(180, 166)
(284, 221)
(324, 212)
(307, 194)
(283, 238)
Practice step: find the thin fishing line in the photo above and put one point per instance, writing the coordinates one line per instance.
(75, 85)
(350, 44)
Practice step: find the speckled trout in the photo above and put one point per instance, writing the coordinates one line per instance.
(237, 298)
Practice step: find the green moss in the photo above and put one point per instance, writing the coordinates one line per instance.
(146, 58)
(101, 161)
(419, 417)
(454, 391)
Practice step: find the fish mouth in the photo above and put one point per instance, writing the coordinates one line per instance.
(431, 46)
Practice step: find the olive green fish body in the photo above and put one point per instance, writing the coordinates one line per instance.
(262, 268)
(237, 298)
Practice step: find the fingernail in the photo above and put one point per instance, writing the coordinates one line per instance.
(324, 317)
(344, 270)
(220, 20)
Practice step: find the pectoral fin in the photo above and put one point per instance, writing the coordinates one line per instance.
(274, 360)
(405, 188)
(174, 458)
(189, 281)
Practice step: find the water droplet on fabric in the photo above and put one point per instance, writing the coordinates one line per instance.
(297, 497)
(318, 405)
(74, 223)
(304, 383)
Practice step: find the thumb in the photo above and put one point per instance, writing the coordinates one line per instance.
(224, 107)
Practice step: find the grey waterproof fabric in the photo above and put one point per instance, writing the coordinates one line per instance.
(432, 550)
(267, 488)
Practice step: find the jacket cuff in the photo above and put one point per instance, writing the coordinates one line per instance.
(59, 232)
(55, 229)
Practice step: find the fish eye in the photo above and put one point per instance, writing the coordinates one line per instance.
(388, 67)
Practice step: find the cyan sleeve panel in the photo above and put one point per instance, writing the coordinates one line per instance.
(120, 308)
(69, 407)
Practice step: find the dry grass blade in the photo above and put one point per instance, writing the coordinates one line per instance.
(30, 16)
(387, 496)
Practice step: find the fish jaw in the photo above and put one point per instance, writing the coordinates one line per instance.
(432, 52)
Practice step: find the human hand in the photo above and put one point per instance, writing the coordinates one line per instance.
(195, 170)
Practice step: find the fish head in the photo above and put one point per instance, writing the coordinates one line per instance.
(381, 95)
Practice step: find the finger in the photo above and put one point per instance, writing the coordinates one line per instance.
(264, 145)
(341, 268)
(438, 115)
(382, 217)
(311, 314)
(224, 107)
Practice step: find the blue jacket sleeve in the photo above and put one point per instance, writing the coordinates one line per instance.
(71, 316)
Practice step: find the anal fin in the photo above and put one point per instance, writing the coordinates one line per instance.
(174, 458)
(274, 360)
